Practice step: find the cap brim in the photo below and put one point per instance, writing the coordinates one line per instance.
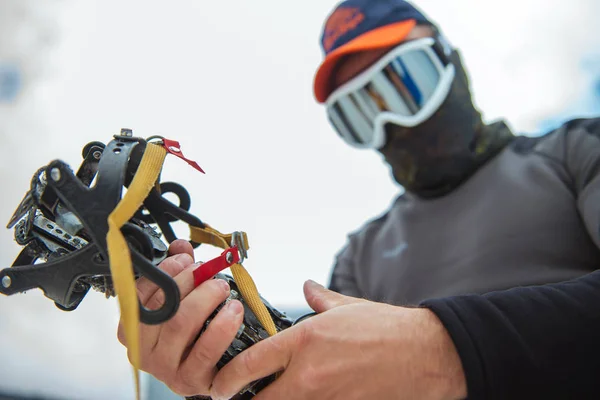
(385, 36)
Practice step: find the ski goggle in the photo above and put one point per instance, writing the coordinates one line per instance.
(405, 87)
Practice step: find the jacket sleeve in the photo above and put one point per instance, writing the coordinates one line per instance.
(540, 342)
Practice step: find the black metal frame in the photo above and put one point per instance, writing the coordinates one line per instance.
(113, 166)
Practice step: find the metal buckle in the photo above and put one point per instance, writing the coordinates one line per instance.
(156, 139)
(237, 240)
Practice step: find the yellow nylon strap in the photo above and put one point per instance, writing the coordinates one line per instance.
(250, 294)
(243, 279)
(121, 267)
(211, 236)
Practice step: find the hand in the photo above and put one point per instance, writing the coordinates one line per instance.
(168, 350)
(354, 349)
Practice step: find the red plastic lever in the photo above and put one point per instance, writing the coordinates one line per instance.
(211, 268)
(173, 147)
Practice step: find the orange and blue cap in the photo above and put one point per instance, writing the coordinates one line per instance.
(361, 25)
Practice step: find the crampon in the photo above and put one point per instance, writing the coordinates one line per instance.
(105, 225)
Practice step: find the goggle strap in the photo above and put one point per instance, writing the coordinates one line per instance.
(440, 50)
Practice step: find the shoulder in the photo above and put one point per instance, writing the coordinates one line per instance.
(572, 150)
(558, 142)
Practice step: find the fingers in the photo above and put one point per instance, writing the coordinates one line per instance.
(321, 299)
(184, 280)
(177, 334)
(180, 246)
(168, 350)
(172, 266)
(262, 359)
(149, 333)
(199, 366)
(153, 298)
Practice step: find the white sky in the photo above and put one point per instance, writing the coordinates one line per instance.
(232, 82)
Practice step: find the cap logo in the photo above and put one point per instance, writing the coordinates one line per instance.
(343, 20)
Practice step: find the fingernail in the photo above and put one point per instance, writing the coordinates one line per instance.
(184, 259)
(314, 284)
(224, 285)
(233, 308)
(215, 397)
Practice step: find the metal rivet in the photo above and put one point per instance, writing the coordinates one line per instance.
(240, 331)
(55, 174)
(175, 149)
(126, 132)
(97, 155)
(229, 257)
(6, 281)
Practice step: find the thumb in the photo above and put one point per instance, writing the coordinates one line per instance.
(321, 299)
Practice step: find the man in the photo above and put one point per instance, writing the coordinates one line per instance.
(483, 211)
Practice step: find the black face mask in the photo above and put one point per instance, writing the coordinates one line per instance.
(435, 157)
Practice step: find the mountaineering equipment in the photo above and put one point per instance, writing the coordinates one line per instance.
(101, 227)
